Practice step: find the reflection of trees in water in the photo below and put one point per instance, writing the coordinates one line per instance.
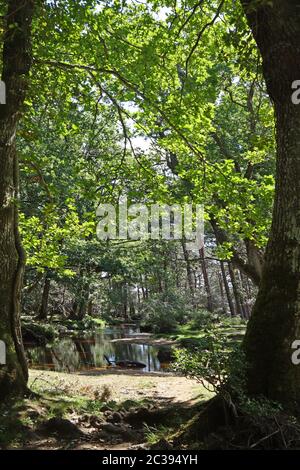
(65, 356)
(137, 352)
(84, 349)
(102, 346)
(41, 356)
(74, 354)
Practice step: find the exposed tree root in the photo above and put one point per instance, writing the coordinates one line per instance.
(217, 426)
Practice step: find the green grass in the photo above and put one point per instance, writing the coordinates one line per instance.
(17, 417)
(188, 335)
(155, 434)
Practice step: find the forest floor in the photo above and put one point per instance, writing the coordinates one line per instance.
(100, 410)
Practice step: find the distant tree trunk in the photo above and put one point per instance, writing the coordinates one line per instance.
(246, 285)
(74, 311)
(252, 268)
(144, 290)
(189, 271)
(275, 321)
(177, 270)
(82, 309)
(45, 299)
(222, 292)
(131, 310)
(227, 290)
(206, 281)
(245, 306)
(138, 297)
(80, 304)
(236, 293)
(125, 312)
(16, 65)
(90, 307)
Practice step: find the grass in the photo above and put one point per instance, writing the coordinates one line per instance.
(155, 434)
(18, 417)
(189, 334)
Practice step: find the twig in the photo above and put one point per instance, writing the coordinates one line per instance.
(264, 438)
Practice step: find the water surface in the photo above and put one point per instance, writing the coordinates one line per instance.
(86, 352)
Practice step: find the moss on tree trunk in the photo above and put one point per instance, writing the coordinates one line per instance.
(275, 322)
(16, 65)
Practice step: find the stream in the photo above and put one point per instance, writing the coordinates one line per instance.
(86, 352)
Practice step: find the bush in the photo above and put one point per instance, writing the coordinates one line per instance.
(163, 312)
(215, 361)
(201, 318)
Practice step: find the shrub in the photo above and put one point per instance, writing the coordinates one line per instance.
(212, 361)
(201, 318)
(163, 312)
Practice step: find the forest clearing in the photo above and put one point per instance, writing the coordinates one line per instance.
(150, 226)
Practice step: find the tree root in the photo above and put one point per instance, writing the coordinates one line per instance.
(218, 426)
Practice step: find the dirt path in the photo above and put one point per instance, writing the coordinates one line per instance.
(123, 385)
(159, 400)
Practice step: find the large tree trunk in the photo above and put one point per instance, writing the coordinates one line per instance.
(275, 322)
(16, 65)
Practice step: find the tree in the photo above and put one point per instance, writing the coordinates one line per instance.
(16, 66)
(275, 321)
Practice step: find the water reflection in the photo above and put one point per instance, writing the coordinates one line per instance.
(87, 352)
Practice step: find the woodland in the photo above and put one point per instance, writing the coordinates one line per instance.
(133, 344)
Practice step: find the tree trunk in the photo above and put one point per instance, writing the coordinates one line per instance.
(206, 281)
(224, 310)
(236, 293)
(16, 66)
(244, 303)
(275, 321)
(45, 299)
(227, 290)
(189, 271)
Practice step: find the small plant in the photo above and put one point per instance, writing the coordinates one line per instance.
(154, 434)
(213, 362)
(104, 395)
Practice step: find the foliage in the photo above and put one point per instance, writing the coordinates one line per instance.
(162, 312)
(38, 332)
(200, 318)
(216, 362)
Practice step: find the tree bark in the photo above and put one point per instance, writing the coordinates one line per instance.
(227, 290)
(275, 321)
(189, 272)
(45, 299)
(223, 303)
(16, 66)
(236, 292)
(210, 306)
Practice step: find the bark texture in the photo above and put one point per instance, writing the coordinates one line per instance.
(16, 66)
(275, 322)
(43, 313)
